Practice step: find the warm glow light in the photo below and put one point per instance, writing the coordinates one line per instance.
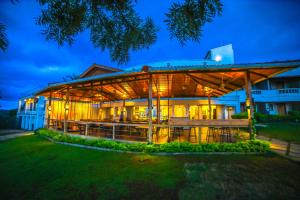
(49, 108)
(67, 106)
(218, 58)
(208, 89)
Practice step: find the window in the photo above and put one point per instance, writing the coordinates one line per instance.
(271, 107)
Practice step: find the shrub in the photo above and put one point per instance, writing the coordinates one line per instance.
(242, 115)
(172, 147)
(263, 118)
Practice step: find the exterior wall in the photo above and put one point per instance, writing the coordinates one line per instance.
(31, 113)
(274, 96)
(222, 55)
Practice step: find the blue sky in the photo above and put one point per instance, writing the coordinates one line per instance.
(260, 30)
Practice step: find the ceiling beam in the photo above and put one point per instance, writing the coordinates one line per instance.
(212, 85)
(215, 90)
(219, 79)
(258, 74)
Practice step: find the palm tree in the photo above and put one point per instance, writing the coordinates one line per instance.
(3, 37)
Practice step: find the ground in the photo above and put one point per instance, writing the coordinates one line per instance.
(287, 131)
(33, 168)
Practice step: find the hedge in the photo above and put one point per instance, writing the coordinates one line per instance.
(243, 146)
(292, 116)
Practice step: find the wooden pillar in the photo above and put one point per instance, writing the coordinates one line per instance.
(150, 107)
(249, 105)
(209, 106)
(157, 102)
(66, 110)
(169, 130)
(49, 110)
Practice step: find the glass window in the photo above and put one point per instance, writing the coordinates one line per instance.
(179, 110)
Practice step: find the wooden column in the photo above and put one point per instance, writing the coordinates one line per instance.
(66, 110)
(249, 104)
(169, 130)
(209, 106)
(168, 97)
(150, 107)
(157, 102)
(49, 110)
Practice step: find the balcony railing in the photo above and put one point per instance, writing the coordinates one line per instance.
(285, 91)
(289, 91)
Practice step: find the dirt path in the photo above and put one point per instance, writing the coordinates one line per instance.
(14, 135)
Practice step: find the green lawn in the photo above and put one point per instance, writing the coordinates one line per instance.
(33, 168)
(287, 131)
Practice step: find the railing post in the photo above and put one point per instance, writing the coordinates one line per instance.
(114, 131)
(86, 129)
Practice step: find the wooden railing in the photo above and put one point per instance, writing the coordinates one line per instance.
(139, 131)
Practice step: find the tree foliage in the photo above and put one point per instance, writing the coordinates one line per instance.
(3, 37)
(115, 25)
(185, 20)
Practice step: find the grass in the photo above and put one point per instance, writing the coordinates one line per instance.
(287, 131)
(34, 168)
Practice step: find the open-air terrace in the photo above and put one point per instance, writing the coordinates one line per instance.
(158, 104)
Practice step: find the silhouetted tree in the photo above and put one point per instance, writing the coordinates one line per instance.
(3, 37)
(115, 25)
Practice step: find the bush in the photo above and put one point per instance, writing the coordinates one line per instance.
(172, 147)
(242, 115)
(263, 118)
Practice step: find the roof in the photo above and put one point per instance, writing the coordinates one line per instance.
(169, 81)
(100, 69)
(290, 73)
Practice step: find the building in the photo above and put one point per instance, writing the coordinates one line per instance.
(276, 95)
(187, 92)
(31, 112)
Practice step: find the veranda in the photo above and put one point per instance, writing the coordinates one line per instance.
(140, 105)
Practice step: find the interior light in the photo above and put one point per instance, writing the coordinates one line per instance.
(67, 106)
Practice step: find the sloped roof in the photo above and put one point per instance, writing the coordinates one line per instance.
(103, 69)
(170, 81)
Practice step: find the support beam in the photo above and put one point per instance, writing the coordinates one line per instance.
(49, 110)
(133, 86)
(216, 88)
(150, 107)
(258, 74)
(219, 81)
(249, 104)
(157, 102)
(209, 106)
(210, 84)
(66, 110)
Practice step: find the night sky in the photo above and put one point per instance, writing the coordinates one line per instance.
(260, 30)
